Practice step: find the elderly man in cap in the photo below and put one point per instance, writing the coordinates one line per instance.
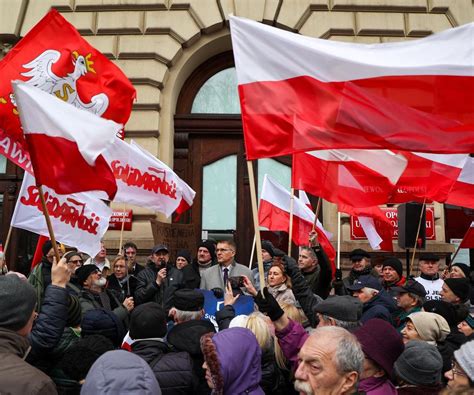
(94, 295)
(382, 345)
(456, 291)
(159, 281)
(376, 302)
(22, 330)
(429, 276)
(410, 297)
(360, 266)
(187, 313)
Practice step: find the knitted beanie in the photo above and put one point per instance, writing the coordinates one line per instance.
(465, 358)
(394, 263)
(460, 287)
(210, 246)
(431, 327)
(464, 268)
(147, 320)
(17, 302)
(419, 364)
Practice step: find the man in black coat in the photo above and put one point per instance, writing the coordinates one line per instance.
(187, 313)
(160, 279)
(173, 370)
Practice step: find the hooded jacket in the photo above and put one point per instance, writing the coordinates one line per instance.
(238, 355)
(173, 370)
(16, 375)
(380, 306)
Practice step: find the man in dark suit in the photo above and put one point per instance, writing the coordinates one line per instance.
(217, 276)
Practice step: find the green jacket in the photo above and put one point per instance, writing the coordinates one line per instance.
(36, 280)
(400, 317)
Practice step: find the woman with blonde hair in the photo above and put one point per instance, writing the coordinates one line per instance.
(121, 282)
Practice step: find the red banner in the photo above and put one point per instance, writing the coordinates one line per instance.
(119, 217)
(357, 233)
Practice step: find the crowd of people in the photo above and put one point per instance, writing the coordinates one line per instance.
(209, 326)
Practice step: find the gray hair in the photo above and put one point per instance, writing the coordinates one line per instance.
(349, 325)
(310, 251)
(349, 356)
(183, 315)
(420, 300)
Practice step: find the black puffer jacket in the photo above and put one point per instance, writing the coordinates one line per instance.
(148, 290)
(173, 370)
(186, 336)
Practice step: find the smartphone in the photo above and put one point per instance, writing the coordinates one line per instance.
(236, 282)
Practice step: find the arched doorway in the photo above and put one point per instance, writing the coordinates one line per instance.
(209, 154)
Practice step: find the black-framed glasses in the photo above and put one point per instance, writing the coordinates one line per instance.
(456, 370)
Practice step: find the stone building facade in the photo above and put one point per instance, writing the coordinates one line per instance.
(169, 48)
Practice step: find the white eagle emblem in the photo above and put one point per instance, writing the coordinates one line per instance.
(42, 76)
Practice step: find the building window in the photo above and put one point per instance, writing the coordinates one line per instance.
(218, 95)
(3, 164)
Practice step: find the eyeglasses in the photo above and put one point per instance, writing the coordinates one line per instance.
(457, 371)
(76, 261)
(223, 250)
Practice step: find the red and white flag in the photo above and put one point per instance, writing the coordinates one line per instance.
(274, 214)
(358, 178)
(304, 198)
(428, 176)
(56, 59)
(376, 226)
(65, 143)
(79, 220)
(300, 93)
(462, 192)
(145, 181)
(468, 239)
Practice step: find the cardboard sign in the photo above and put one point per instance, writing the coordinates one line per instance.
(118, 218)
(175, 236)
(357, 233)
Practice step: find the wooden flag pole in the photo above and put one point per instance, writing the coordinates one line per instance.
(290, 229)
(121, 232)
(258, 241)
(338, 264)
(48, 223)
(7, 241)
(316, 213)
(416, 238)
(251, 253)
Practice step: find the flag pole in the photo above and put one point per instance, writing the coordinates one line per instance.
(121, 231)
(316, 213)
(251, 253)
(290, 230)
(258, 241)
(338, 265)
(48, 223)
(416, 238)
(3, 265)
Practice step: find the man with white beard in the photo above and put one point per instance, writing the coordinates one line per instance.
(94, 295)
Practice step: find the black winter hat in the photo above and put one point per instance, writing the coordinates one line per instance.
(188, 300)
(185, 254)
(84, 272)
(147, 320)
(105, 323)
(460, 287)
(210, 246)
(394, 263)
(444, 309)
(268, 246)
(464, 268)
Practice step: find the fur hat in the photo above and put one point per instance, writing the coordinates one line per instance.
(17, 302)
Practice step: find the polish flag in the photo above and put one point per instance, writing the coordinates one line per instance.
(300, 93)
(462, 193)
(376, 226)
(468, 240)
(428, 176)
(304, 198)
(358, 178)
(274, 214)
(65, 143)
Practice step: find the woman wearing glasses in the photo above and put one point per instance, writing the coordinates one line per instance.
(461, 375)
